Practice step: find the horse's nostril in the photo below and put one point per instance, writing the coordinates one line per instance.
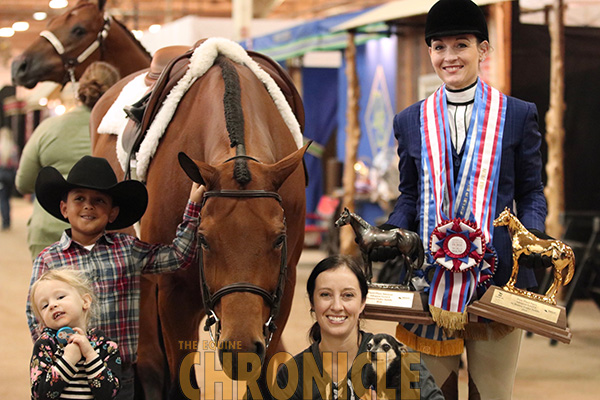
(260, 349)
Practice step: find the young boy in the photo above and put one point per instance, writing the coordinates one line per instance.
(92, 201)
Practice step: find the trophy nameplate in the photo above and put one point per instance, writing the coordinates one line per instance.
(388, 302)
(534, 312)
(523, 312)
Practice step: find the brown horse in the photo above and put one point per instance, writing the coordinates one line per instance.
(247, 236)
(81, 35)
(524, 242)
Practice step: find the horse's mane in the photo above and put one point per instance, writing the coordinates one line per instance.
(127, 31)
(234, 117)
(133, 38)
(360, 220)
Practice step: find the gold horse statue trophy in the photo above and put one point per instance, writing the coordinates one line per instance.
(534, 312)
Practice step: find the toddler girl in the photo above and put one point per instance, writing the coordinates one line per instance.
(81, 364)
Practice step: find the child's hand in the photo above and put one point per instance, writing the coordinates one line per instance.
(80, 340)
(72, 353)
(197, 192)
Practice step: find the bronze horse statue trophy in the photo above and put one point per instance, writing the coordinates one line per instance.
(524, 242)
(368, 237)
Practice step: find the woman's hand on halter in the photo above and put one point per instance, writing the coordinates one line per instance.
(197, 192)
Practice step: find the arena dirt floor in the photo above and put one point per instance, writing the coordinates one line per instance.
(544, 372)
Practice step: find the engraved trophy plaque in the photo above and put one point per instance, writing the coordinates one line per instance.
(390, 302)
(536, 313)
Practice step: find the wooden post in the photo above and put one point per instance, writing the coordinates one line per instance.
(501, 15)
(347, 245)
(555, 133)
(294, 68)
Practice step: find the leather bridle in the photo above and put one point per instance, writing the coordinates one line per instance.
(273, 299)
(70, 63)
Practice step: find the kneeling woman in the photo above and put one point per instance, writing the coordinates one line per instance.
(334, 366)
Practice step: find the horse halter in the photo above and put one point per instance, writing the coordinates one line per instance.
(272, 299)
(71, 63)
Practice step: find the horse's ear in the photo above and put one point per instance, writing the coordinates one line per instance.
(193, 168)
(101, 4)
(283, 168)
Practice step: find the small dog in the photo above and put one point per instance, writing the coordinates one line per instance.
(393, 350)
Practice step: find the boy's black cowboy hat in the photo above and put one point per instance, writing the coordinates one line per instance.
(455, 17)
(92, 173)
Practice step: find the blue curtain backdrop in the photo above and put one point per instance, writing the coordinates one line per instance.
(320, 88)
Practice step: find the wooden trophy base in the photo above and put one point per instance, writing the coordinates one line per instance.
(388, 302)
(523, 312)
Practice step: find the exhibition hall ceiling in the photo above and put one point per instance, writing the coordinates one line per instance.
(140, 14)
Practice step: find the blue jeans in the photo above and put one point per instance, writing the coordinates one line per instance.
(7, 182)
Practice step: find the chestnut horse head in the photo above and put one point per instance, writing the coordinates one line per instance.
(243, 250)
(72, 41)
(252, 219)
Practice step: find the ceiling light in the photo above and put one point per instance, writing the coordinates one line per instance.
(39, 16)
(58, 4)
(60, 109)
(20, 26)
(7, 32)
(154, 28)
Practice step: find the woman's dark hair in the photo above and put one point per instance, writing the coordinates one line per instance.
(326, 264)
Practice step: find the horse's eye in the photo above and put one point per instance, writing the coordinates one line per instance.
(78, 31)
(369, 346)
(386, 347)
(279, 241)
(203, 242)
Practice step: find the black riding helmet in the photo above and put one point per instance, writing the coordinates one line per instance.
(453, 17)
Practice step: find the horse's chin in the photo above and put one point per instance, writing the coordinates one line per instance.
(239, 363)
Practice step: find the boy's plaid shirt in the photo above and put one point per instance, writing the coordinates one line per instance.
(114, 266)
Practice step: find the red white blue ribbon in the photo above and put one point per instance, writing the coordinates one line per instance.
(457, 217)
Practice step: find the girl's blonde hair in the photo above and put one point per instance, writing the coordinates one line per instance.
(74, 278)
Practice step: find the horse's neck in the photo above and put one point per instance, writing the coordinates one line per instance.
(514, 225)
(124, 53)
(359, 224)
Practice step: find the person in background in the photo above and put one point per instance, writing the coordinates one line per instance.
(9, 161)
(337, 291)
(70, 359)
(59, 142)
(466, 153)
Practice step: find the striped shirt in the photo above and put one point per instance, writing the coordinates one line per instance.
(114, 265)
(52, 376)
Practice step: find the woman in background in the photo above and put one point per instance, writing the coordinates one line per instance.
(60, 142)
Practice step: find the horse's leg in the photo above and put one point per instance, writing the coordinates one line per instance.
(151, 365)
(367, 265)
(180, 311)
(556, 284)
(409, 270)
(515, 271)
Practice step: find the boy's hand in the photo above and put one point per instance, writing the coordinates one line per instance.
(197, 192)
(85, 347)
